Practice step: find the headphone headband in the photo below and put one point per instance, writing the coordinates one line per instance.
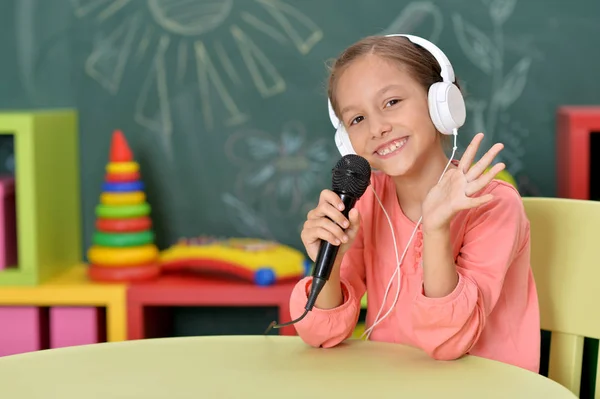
(447, 71)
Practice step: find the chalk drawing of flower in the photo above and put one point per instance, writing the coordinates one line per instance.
(421, 18)
(492, 115)
(284, 171)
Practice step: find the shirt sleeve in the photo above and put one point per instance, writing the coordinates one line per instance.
(449, 327)
(328, 327)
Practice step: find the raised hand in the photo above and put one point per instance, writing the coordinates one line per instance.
(456, 190)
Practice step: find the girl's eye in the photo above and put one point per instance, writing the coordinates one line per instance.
(392, 102)
(356, 120)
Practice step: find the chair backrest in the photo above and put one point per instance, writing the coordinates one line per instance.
(565, 257)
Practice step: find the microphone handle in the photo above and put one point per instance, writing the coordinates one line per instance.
(327, 251)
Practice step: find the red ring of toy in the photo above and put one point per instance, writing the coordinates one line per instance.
(123, 274)
(122, 177)
(123, 225)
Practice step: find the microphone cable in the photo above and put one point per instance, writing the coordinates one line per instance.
(317, 285)
(289, 323)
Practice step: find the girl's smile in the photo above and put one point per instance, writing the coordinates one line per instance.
(391, 148)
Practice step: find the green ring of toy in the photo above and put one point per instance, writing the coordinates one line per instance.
(122, 211)
(123, 239)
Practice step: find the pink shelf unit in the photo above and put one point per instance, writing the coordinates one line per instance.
(8, 223)
(23, 329)
(72, 326)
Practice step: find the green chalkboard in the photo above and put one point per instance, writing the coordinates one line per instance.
(223, 102)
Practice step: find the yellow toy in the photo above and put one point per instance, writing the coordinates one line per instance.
(260, 261)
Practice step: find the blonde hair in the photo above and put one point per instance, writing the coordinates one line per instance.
(417, 61)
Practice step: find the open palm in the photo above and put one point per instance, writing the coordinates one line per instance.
(455, 192)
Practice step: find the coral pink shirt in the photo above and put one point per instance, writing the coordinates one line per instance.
(493, 311)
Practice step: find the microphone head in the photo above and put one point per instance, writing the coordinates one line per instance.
(351, 175)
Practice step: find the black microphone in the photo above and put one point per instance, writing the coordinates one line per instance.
(350, 178)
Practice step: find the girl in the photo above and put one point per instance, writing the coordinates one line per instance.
(464, 283)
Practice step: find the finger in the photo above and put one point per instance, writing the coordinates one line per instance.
(354, 217)
(328, 196)
(317, 233)
(478, 184)
(327, 202)
(467, 159)
(328, 211)
(329, 226)
(321, 233)
(485, 161)
(310, 236)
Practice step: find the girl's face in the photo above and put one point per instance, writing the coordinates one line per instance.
(386, 115)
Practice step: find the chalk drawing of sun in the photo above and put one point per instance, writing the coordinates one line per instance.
(181, 30)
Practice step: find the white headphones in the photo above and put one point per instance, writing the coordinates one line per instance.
(446, 104)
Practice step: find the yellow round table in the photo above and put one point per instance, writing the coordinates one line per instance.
(260, 367)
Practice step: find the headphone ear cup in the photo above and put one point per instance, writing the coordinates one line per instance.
(332, 117)
(342, 141)
(446, 107)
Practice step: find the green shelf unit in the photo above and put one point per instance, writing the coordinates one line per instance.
(48, 206)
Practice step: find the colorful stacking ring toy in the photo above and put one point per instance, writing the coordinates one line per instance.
(123, 244)
(120, 187)
(122, 167)
(122, 211)
(122, 177)
(132, 198)
(123, 239)
(120, 257)
(124, 225)
(119, 274)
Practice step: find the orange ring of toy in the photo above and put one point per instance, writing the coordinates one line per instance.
(123, 274)
(122, 257)
(122, 177)
(125, 225)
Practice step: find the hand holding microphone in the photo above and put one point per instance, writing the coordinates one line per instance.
(327, 222)
(327, 225)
